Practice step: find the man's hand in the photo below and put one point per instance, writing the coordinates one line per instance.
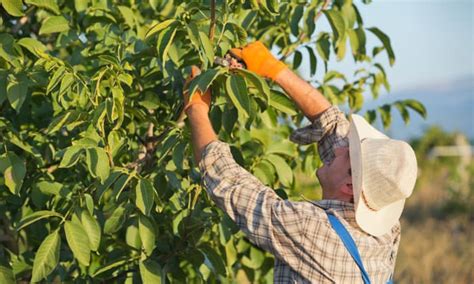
(197, 110)
(259, 60)
(197, 98)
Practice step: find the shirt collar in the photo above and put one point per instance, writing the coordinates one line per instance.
(341, 209)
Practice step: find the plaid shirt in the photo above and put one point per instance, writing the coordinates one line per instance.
(298, 234)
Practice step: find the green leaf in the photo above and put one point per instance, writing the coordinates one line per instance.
(144, 196)
(284, 147)
(92, 228)
(204, 80)
(121, 183)
(283, 170)
(229, 119)
(98, 163)
(50, 5)
(78, 242)
(385, 115)
(323, 46)
(310, 23)
(115, 221)
(230, 253)
(178, 154)
(52, 188)
(193, 34)
(7, 48)
(336, 20)
(110, 266)
(349, 14)
(357, 41)
(207, 47)
(147, 234)
(150, 272)
(115, 142)
(54, 24)
(416, 106)
(356, 100)
(159, 27)
(6, 275)
(3, 86)
(298, 57)
(282, 103)
(313, 63)
(237, 91)
(81, 5)
(13, 7)
(47, 257)
(214, 260)
(386, 43)
(370, 116)
(164, 42)
(17, 91)
(71, 156)
(128, 15)
(36, 216)
(89, 202)
(255, 260)
(265, 172)
(295, 19)
(31, 44)
(403, 111)
(55, 79)
(66, 83)
(15, 173)
(257, 82)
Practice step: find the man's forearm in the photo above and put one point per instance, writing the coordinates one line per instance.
(202, 132)
(308, 99)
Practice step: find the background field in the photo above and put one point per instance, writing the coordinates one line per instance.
(437, 224)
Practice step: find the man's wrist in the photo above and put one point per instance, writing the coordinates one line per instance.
(197, 108)
(281, 76)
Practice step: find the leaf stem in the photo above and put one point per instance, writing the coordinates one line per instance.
(212, 26)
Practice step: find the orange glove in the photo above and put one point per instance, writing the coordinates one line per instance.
(198, 97)
(259, 60)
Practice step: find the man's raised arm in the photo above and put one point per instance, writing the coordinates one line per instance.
(328, 128)
(259, 59)
(308, 99)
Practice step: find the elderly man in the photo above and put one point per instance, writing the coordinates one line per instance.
(352, 235)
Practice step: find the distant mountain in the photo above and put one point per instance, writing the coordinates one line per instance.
(449, 105)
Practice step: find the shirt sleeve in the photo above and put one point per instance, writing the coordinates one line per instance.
(329, 130)
(268, 221)
(396, 232)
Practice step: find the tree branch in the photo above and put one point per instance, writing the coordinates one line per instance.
(212, 26)
(147, 152)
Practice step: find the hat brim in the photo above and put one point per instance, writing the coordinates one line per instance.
(373, 222)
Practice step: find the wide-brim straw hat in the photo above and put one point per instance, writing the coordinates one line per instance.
(384, 172)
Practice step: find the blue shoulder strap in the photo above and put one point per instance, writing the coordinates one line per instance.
(349, 244)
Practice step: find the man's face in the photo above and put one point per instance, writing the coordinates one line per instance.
(335, 177)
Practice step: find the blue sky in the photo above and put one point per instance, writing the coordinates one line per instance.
(434, 47)
(433, 40)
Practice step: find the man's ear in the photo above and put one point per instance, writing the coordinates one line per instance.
(347, 189)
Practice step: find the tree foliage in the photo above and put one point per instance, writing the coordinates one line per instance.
(97, 181)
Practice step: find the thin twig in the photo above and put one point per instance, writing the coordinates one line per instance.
(152, 141)
(212, 26)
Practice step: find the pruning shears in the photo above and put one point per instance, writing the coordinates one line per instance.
(230, 60)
